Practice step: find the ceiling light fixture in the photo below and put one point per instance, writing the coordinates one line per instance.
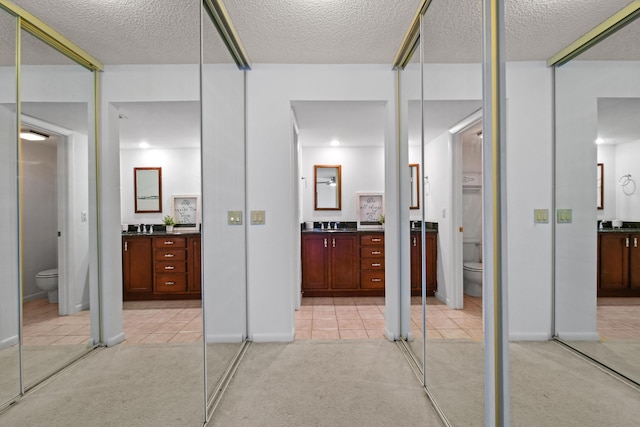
(143, 145)
(31, 135)
(335, 143)
(599, 141)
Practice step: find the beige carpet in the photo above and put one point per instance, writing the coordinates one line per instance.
(325, 383)
(621, 355)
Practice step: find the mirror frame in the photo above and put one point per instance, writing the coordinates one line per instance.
(338, 187)
(141, 200)
(414, 178)
(600, 187)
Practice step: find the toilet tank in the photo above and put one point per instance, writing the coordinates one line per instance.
(471, 250)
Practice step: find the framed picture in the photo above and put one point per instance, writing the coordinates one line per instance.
(186, 211)
(370, 207)
(147, 188)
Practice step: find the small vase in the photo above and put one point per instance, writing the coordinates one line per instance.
(169, 228)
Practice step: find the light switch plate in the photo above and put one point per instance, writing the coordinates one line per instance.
(257, 217)
(564, 216)
(234, 217)
(541, 216)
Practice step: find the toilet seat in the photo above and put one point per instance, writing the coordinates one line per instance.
(473, 266)
(52, 272)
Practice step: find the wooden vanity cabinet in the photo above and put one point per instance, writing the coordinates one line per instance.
(137, 266)
(329, 263)
(431, 258)
(618, 264)
(161, 267)
(372, 261)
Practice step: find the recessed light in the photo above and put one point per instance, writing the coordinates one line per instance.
(335, 143)
(599, 141)
(31, 135)
(143, 145)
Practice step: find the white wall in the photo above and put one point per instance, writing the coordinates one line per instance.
(607, 156)
(362, 171)
(180, 175)
(627, 162)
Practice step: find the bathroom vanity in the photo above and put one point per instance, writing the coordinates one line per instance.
(350, 262)
(161, 266)
(619, 262)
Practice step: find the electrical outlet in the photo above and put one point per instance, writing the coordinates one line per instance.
(257, 217)
(234, 217)
(84, 216)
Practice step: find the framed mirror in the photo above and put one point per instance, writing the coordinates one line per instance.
(600, 187)
(414, 178)
(327, 181)
(147, 183)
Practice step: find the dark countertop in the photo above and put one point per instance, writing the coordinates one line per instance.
(354, 230)
(619, 230)
(160, 233)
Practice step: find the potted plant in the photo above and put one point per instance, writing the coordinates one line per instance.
(168, 222)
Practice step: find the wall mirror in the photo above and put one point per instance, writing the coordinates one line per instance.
(414, 178)
(600, 187)
(328, 187)
(147, 189)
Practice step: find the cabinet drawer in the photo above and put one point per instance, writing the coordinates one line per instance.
(372, 240)
(169, 242)
(170, 254)
(372, 252)
(170, 267)
(372, 264)
(171, 283)
(372, 279)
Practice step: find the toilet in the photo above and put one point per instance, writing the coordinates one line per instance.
(47, 280)
(472, 268)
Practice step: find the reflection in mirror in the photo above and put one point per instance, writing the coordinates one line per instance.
(147, 189)
(55, 211)
(328, 187)
(9, 286)
(414, 177)
(597, 259)
(223, 185)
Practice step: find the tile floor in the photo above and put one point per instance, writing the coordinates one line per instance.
(363, 317)
(144, 322)
(318, 318)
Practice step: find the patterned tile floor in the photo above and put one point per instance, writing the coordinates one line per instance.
(318, 318)
(363, 317)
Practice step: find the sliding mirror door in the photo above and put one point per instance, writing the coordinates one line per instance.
(597, 265)
(9, 262)
(57, 219)
(224, 213)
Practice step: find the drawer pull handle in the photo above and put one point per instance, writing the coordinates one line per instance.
(169, 255)
(325, 242)
(334, 242)
(627, 241)
(415, 241)
(169, 267)
(376, 280)
(168, 242)
(126, 246)
(376, 253)
(169, 283)
(635, 242)
(376, 240)
(375, 264)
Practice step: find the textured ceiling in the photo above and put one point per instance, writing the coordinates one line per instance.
(318, 31)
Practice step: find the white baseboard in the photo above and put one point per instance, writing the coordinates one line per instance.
(579, 336)
(37, 295)
(529, 336)
(219, 338)
(273, 337)
(9, 342)
(117, 339)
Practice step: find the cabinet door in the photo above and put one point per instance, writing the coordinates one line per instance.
(194, 262)
(315, 261)
(634, 261)
(431, 248)
(416, 261)
(344, 262)
(137, 265)
(613, 261)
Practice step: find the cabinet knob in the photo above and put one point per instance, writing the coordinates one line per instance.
(169, 267)
(375, 264)
(169, 255)
(168, 242)
(376, 252)
(376, 280)
(376, 240)
(169, 283)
